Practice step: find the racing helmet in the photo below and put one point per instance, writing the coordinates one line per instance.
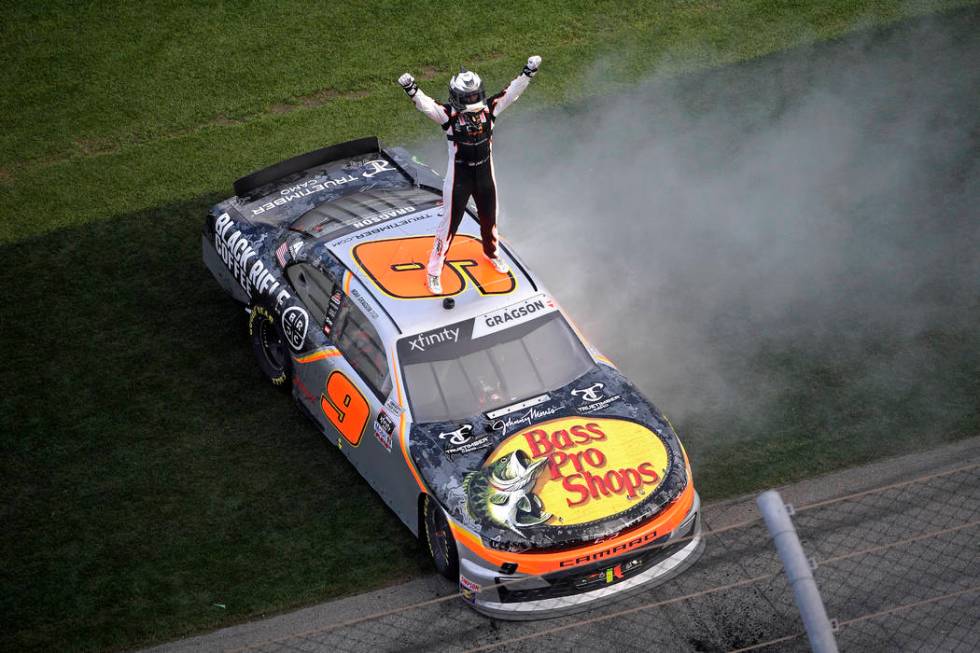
(466, 91)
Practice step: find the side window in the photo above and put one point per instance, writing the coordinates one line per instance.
(360, 344)
(316, 291)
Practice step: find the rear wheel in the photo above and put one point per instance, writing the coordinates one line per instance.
(439, 537)
(269, 346)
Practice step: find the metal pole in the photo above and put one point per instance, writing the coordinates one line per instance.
(797, 567)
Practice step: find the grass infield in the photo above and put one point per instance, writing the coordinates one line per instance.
(153, 484)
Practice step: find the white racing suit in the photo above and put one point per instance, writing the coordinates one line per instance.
(470, 169)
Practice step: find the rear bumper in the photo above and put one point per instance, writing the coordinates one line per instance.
(220, 271)
(518, 596)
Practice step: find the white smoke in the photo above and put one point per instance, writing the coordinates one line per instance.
(812, 201)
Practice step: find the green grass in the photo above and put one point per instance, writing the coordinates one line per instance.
(95, 122)
(840, 409)
(149, 474)
(107, 75)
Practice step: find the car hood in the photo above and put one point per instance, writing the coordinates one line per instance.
(554, 471)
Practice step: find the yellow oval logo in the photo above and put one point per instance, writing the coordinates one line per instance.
(568, 471)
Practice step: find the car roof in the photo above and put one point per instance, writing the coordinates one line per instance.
(389, 260)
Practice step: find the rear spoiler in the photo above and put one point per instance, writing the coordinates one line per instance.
(349, 150)
(420, 176)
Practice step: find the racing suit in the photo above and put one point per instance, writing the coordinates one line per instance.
(470, 169)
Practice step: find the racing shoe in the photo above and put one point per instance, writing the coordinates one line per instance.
(435, 284)
(499, 264)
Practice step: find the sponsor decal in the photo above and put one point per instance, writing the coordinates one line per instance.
(244, 262)
(462, 441)
(468, 589)
(303, 189)
(566, 472)
(332, 309)
(513, 408)
(606, 576)
(529, 417)
(384, 426)
(317, 184)
(295, 321)
(393, 408)
(381, 217)
(424, 341)
(610, 575)
(591, 393)
(512, 315)
(375, 167)
(379, 229)
(459, 436)
(593, 399)
(476, 445)
(363, 303)
(612, 552)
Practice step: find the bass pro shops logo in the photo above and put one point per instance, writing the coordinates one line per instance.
(295, 321)
(590, 394)
(566, 472)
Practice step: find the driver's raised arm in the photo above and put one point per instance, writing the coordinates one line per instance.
(423, 102)
(509, 95)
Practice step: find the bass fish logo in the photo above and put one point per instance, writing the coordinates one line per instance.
(566, 472)
(503, 495)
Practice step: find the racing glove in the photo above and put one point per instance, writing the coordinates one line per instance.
(408, 83)
(531, 66)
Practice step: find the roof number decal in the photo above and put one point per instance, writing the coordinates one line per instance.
(397, 268)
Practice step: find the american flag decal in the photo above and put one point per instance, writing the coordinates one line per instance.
(281, 254)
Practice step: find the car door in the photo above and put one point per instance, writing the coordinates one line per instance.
(343, 383)
(359, 382)
(345, 380)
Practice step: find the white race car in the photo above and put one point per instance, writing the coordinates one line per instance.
(540, 479)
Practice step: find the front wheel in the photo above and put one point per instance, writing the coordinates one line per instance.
(439, 537)
(269, 346)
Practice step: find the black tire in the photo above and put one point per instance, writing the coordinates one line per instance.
(440, 540)
(269, 346)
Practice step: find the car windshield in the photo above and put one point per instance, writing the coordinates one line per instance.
(450, 375)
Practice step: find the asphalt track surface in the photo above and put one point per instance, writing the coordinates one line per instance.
(910, 545)
(866, 565)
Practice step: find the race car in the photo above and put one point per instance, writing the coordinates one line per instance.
(539, 478)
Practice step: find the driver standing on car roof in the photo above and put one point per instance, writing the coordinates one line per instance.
(468, 122)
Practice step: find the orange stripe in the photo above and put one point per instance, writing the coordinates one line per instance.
(329, 352)
(401, 428)
(347, 278)
(542, 563)
(605, 360)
